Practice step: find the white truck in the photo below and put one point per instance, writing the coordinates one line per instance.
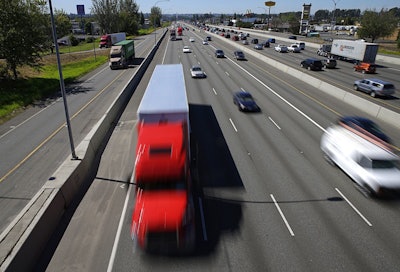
(354, 50)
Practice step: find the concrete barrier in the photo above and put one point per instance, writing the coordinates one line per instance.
(23, 241)
(370, 108)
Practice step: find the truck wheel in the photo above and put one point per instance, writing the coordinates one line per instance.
(355, 87)
(372, 94)
(308, 68)
(363, 71)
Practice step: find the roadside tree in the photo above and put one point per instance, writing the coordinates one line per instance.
(24, 34)
(376, 25)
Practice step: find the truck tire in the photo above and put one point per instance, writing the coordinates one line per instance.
(372, 94)
(355, 87)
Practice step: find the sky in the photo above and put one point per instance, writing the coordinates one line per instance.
(235, 6)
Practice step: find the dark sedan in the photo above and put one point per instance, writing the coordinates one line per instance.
(239, 55)
(245, 102)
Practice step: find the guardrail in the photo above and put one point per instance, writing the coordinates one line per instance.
(23, 241)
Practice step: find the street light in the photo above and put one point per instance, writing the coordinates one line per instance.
(269, 4)
(155, 28)
(333, 14)
(62, 85)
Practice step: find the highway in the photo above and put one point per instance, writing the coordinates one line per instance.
(35, 143)
(265, 198)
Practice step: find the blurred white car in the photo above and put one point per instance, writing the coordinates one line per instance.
(205, 42)
(197, 72)
(281, 48)
(294, 48)
(191, 39)
(186, 49)
(370, 163)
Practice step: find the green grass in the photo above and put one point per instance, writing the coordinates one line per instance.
(16, 94)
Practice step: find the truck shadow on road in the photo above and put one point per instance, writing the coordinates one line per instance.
(213, 168)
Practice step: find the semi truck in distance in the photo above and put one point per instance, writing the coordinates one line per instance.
(172, 33)
(109, 40)
(121, 54)
(350, 50)
(163, 214)
(180, 30)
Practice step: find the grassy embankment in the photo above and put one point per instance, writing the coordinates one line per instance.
(33, 85)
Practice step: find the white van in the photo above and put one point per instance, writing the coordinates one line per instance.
(371, 165)
(302, 45)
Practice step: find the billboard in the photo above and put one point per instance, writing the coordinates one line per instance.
(305, 15)
(80, 9)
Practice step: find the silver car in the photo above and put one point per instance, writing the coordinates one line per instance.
(374, 87)
(197, 72)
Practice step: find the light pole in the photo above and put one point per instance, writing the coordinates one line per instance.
(155, 28)
(269, 4)
(62, 85)
(333, 14)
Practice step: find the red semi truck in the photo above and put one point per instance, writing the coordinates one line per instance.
(180, 30)
(163, 215)
(109, 40)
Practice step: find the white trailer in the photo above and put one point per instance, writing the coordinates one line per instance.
(354, 50)
(165, 98)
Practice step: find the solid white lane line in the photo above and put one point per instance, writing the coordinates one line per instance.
(354, 208)
(282, 215)
(233, 125)
(121, 222)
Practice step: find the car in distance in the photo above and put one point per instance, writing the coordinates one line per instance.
(219, 53)
(292, 37)
(191, 39)
(197, 72)
(266, 44)
(245, 102)
(374, 87)
(245, 42)
(365, 126)
(365, 67)
(271, 40)
(281, 48)
(329, 63)
(258, 46)
(208, 38)
(254, 41)
(312, 64)
(239, 55)
(186, 49)
(205, 42)
(294, 48)
(235, 38)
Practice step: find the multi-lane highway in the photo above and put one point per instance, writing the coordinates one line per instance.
(34, 144)
(265, 198)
